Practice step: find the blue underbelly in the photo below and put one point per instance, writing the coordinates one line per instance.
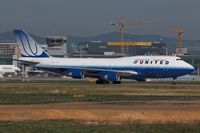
(145, 72)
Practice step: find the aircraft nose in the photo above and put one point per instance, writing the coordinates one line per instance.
(191, 68)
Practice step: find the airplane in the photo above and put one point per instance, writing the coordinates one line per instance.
(8, 70)
(105, 70)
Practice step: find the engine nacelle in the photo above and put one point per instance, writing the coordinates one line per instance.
(110, 76)
(75, 74)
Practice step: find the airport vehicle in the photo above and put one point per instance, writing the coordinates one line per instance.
(6, 70)
(105, 70)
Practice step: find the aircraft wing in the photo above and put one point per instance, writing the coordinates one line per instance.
(119, 72)
(90, 71)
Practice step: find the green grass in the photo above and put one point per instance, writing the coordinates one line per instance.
(75, 127)
(35, 92)
(7, 98)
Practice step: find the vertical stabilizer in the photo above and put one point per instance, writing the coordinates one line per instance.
(28, 46)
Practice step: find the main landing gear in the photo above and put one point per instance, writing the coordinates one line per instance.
(116, 82)
(102, 81)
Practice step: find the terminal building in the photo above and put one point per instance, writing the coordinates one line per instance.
(108, 49)
(8, 51)
(57, 46)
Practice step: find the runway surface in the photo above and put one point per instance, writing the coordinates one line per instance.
(111, 112)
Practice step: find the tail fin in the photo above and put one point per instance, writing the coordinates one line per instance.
(28, 46)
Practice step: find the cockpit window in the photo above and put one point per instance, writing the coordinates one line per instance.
(179, 59)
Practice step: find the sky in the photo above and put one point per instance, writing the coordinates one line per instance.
(92, 17)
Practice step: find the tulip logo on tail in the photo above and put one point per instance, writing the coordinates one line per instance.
(28, 46)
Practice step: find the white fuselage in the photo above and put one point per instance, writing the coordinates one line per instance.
(145, 66)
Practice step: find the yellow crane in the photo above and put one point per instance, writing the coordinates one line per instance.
(122, 24)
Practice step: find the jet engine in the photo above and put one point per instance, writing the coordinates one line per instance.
(110, 76)
(78, 74)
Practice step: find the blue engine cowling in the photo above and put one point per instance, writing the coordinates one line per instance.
(110, 76)
(75, 73)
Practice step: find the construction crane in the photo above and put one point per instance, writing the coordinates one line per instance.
(180, 32)
(122, 24)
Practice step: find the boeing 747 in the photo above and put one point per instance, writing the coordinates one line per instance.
(105, 70)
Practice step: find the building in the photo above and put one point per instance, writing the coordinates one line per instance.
(57, 46)
(8, 51)
(193, 49)
(99, 49)
(156, 48)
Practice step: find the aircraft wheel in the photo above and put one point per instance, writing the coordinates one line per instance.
(116, 82)
(141, 80)
(106, 82)
(100, 81)
(174, 81)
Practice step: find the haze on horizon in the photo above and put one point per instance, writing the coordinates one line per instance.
(92, 17)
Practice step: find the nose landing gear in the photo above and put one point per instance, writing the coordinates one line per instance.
(174, 81)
